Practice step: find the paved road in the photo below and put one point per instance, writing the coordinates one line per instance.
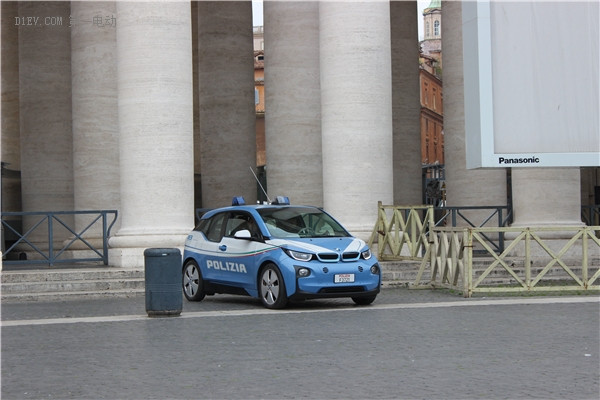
(407, 345)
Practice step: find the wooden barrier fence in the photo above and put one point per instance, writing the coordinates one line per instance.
(558, 258)
(527, 260)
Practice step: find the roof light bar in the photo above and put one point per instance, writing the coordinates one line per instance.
(238, 201)
(281, 201)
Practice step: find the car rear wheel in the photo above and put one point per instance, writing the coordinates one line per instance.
(192, 282)
(272, 288)
(364, 301)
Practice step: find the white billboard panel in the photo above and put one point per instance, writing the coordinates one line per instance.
(531, 83)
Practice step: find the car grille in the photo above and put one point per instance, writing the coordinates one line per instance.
(328, 257)
(335, 257)
(351, 256)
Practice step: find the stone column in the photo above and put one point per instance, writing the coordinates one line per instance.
(95, 118)
(10, 195)
(546, 196)
(549, 198)
(45, 114)
(227, 114)
(196, 97)
(356, 111)
(154, 53)
(405, 103)
(293, 101)
(484, 187)
(11, 153)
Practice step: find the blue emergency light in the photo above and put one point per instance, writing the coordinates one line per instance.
(238, 201)
(282, 201)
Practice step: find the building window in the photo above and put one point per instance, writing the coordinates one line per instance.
(427, 32)
(436, 28)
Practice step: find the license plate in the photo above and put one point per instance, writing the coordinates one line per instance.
(343, 278)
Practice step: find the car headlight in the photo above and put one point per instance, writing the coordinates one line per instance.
(366, 254)
(298, 255)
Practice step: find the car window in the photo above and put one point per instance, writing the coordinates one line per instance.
(214, 232)
(203, 226)
(305, 222)
(239, 221)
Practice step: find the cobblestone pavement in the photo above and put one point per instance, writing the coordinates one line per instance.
(407, 345)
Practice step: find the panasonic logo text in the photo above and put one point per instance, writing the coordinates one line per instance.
(226, 266)
(530, 160)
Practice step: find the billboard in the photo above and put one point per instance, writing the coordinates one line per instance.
(531, 83)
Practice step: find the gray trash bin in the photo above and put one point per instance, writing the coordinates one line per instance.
(163, 282)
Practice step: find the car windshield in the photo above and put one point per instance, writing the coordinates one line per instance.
(303, 222)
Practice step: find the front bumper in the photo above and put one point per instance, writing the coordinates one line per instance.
(320, 283)
(324, 293)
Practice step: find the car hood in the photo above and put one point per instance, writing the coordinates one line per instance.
(320, 245)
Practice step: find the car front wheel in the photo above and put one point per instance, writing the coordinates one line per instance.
(272, 288)
(192, 282)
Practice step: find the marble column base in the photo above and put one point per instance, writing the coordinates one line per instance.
(128, 251)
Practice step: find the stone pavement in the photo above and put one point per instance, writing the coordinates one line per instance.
(408, 345)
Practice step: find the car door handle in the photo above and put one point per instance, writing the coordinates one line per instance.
(222, 247)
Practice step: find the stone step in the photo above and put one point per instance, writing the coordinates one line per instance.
(46, 284)
(404, 272)
(84, 285)
(60, 296)
(61, 275)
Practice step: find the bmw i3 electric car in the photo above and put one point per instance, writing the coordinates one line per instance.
(278, 253)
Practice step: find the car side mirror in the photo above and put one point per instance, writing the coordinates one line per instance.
(243, 234)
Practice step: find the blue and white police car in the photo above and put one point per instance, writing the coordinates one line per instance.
(278, 253)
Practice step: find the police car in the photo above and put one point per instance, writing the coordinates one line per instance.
(278, 253)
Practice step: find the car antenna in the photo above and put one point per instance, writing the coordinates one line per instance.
(259, 184)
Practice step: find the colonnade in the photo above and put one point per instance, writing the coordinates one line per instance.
(123, 117)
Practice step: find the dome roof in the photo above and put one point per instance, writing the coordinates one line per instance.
(435, 4)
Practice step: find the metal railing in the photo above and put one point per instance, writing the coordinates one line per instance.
(527, 259)
(500, 214)
(590, 215)
(401, 231)
(455, 214)
(42, 224)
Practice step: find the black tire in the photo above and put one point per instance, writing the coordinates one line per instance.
(192, 282)
(364, 301)
(271, 287)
